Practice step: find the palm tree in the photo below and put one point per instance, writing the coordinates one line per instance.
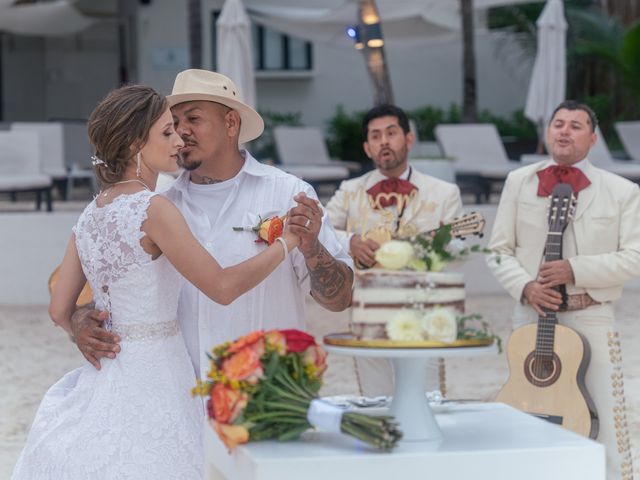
(194, 24)
(469, 81)
(374, 56)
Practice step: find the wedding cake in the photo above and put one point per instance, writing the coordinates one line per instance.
(406, 305)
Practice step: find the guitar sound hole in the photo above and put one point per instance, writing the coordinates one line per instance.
(542, 370)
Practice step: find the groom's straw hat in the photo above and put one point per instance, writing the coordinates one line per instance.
(193, 85)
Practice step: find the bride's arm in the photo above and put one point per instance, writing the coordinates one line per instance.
(70, 282)
(166, 227)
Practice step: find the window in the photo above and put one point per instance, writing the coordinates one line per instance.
(272, 50)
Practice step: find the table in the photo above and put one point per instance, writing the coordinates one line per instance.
(409, 405)
(480, 441)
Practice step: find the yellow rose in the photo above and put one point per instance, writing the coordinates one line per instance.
(441, 325)
(394, 255)
(404, 326)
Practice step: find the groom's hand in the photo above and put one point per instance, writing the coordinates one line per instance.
(93, 341)
(305, 220)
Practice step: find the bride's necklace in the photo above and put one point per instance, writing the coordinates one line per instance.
(125, 181)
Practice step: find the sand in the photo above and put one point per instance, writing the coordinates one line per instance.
(35, 354)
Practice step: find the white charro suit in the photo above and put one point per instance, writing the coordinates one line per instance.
(435, 201)
(602, 244)
(351, 213)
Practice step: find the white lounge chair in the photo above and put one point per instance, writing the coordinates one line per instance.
(77, 154)
(306, 146)
(51, 140)
(20, 167)
(480, 158)
(600, 156)
(629, 133)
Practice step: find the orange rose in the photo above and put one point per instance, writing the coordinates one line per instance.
(271, 229)
(242, 342)
(316, 357)
(231, 435)
(243, 365)
(276, 340)
(226, 404)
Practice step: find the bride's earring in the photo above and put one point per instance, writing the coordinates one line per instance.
(138, 158)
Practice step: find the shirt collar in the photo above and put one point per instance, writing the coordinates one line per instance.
(381, 176)
(581, 165)
(250, 167)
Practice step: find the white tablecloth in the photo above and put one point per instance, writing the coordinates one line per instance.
(481, 441)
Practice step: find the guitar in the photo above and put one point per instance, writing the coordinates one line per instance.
(470, 224)
(547, 361)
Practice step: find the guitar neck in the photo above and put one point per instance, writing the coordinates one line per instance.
(545, 336)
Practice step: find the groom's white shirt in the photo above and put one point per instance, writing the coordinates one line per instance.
(279, 301)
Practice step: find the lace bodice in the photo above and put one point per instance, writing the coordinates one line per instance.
(126, 281)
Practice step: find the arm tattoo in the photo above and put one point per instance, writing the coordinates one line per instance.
(330, 279)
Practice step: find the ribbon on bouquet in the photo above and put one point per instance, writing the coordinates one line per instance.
(325, 416)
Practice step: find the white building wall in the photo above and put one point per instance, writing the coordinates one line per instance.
(423, 75)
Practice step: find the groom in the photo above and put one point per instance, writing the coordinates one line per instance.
(224, 187)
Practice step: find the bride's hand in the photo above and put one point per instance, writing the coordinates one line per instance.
(291, 239)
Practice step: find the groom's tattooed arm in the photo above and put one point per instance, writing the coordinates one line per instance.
(331, 279)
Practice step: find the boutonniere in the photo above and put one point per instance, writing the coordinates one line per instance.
(267, 230)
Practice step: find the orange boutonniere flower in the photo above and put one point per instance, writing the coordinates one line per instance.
(267, 230)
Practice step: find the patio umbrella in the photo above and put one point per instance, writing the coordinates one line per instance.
(549, 77)
(234, 56)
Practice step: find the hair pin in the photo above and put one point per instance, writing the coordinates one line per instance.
(97, 161)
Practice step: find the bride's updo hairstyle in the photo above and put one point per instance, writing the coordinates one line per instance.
(120, 125)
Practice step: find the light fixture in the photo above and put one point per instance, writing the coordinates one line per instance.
(374, 36)
(353, 32)
(370, 14)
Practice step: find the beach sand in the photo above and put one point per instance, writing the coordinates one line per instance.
(35, 354)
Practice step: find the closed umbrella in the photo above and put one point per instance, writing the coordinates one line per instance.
(234, 46)
(549, 77)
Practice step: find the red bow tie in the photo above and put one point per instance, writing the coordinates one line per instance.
(390, 185)
(551, 176)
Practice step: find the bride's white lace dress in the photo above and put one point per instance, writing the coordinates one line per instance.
(135, 418)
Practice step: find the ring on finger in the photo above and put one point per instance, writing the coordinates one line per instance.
(307, 223)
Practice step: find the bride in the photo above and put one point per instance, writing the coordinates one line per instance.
(134, 418)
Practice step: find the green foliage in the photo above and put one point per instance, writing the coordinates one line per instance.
(345, 136)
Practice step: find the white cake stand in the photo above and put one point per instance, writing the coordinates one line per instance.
(409, 405)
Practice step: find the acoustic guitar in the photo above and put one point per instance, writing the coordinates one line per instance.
(547, 361)
(470, 224)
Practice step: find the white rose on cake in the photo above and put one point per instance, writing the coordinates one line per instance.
(404, 326)
(440, 324)
(394, 254)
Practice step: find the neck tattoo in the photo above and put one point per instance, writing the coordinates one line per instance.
(204, 180)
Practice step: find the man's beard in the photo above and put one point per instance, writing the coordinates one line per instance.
(188, 165)
(394, 162)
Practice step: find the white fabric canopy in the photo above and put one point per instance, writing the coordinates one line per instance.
(403, 21)
(58, 17)
(549, 77)
(234, 49)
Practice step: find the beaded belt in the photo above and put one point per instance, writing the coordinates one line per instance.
(579, 301)
(146, 331)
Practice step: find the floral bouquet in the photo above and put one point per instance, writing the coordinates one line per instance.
(425, 252)
(265, 386)
(439, 324)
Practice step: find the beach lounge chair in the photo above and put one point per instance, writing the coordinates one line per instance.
(20, 167)
(601, 157)
(299, 147)
(629, 133)
(480, 159)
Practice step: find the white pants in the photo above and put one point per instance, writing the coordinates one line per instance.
(603, 379)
